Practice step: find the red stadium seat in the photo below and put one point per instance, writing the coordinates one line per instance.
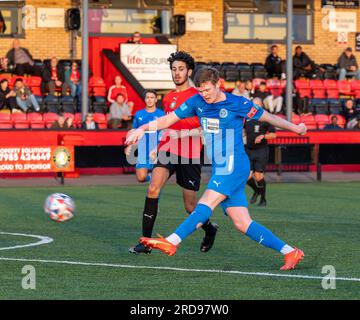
(319, 93)
(322, 120)
(295, 119)
(330, 84)
(35, 85)
(309, 121)
(100, 119)
(302, 84)
(50, 118)
(341, 120)
(332, 93)
(344, 87)
(5, 121)
(99, 91)
(304, 92)
(355, 85)
(36, 120)
(316, 84)
(96, 82)
(20, 121)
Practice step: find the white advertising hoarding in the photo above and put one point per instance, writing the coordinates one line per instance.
(50, 18)
(342, 21)
(147, 62)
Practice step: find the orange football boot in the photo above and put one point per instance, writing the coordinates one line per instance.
(159, 243)
(292, 259)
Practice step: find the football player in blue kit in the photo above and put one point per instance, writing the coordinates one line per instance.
(222, 116)
(149, 142)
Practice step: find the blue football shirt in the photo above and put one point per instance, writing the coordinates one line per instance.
(222, 123)
(150, 140)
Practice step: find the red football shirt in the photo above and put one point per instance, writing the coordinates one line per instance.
(189, 147)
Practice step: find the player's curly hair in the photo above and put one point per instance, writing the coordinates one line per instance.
(182, 56)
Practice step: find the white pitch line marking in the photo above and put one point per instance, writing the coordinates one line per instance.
(43, 240)
(125, 266)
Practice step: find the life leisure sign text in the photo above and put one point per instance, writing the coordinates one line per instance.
(147, 62)
(36, 159)
(341, 4)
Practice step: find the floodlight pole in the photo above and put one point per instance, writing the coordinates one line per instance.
(85, 59)
(289, 59)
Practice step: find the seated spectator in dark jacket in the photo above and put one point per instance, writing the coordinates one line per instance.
(350, 114)
(60, 123)
(348, 65)
(24, 97)
(89, 123)
(274, 65)
(333, 125)
(7, 96)
(54, 77)
(21, 59)
(303, 65)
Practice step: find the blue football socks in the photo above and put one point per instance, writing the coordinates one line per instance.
(263, 236)
(200, 215)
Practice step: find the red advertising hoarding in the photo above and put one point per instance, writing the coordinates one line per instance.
(37, 159)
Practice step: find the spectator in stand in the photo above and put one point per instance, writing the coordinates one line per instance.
(350, 114)
(119, 113)
(348, 65)
(21, 59)
(117, 88)
(249, 88)
(357, 127)
(303, 65)
(333, 125)
(69, 122)
(89, 123)
(273, 105)
(7, 96)
(135, 39)
(62, 123)
(274, 65)
(54, 77)
(4, 64)
(24, 97)
(240, 90)
(73, 80)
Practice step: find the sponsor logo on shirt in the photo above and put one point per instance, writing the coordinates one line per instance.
(252, 112)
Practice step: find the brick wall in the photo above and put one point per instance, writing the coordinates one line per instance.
(207, 46)
(44, 43)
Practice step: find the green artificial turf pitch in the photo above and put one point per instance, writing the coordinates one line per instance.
(323, 219)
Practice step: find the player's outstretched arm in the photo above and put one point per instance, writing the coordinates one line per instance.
(158, 124)
(283, 124)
